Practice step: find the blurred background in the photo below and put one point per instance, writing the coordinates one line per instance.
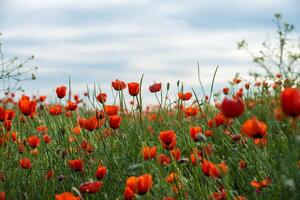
(97, 41)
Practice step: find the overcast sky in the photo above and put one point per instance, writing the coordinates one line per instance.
(101, 40)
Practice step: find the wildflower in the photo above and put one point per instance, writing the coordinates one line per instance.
(55, 109)
(88, 124)
(61, 91)
(42, 98)
(2, 195)
(184, 96)
(133, 88)
(144, 183)
(101, 172)
(76, 165)
(66, 196)
(254, 128)
(232, 108)
(168, 139)
(213, 170)
(176, 154)
(226, 90)
(115, 121)
(128, 194)
(26, 106)
(290, 101)
(90, 187)
(156, 87)
(194, 132)
(111, 109)
(25, 163)
(33, 141)
(71, 106)
(118, 85)
(149, 152)
(163, 159)
(101, 97)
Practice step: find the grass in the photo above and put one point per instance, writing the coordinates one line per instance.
(119, 150)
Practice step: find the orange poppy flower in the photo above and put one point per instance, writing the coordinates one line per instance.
(213, 170)
(118, 85)
(168, 139)
(111, 109)
(101, 97)
(90, 187)
(55, 109)
(133, 88)
(101, 172)
(232, 108)
(26, 106)
(33, 141)
(184, 96)
(61, 91)
(25, 163)
(171, 178)
(66, 196)
(88, 124)
(290, 101)
(156, 87)
(254, 128)
(76, 165)
(115, 121)
(149, 152)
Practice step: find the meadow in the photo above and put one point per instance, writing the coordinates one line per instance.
(241, 144)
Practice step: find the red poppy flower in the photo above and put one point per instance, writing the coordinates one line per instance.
(194, 132)
(42, 98)
(90, 187)
(101, 97)
(47, 139)
(176, 154)
(111, 109)
(184, 96)
(42, 129)
(66, 196)
(213, 170)
(128, 194)
(149, 152)
(26, 106)
(55, 109)
(290, 101)
(163, 159)
(232, 108)
(144, 183)
(118, 85)
(7, 125)
(25, 163)
(156, 87)
(61, 91)
(226, 90)
(71, 105)
(76, 165)
(88, 124)
(33, 141)
(101, 172)
(2, 196)
(191, 111)
(133, 88)
(254, 128)
(115, 121)
(168, 139)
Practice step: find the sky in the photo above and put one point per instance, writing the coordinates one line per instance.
(97, 41)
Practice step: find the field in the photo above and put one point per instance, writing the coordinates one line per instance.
(241, 144)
